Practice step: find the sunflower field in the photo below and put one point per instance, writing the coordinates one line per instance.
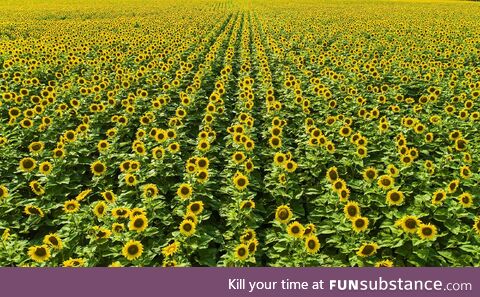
(239, 133)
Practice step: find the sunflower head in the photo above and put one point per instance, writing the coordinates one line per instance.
(466, 200)
(71, 206)
(98, 168)
(195, 207)
(184, 191)
(241, 252)
(367, 249)
(395, 197)
(370, 174)
(132, 250)
(240, 181)
(427, 231)
(53, 240)
(385, 182)
(39, 253)
(283, 214)
(312, 245)
(351, 210)
(138, 223)
(187, 227)
(360, 224)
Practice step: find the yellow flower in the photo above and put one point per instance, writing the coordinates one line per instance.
(39, 253)
(171, 249)
(132, 250)
(427, 231)
(283, 214)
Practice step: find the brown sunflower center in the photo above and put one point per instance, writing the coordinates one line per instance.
(138, 223)
(410, 223)
(352, 211)
(41, 252)
(132, 250)
(427, 231)
(241, 252)
(359, 223)
(368, 249)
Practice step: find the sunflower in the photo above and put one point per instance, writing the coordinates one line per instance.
(332, 174)
(150, 191)
(53, 240)
(343, 194)
(187, 227)
(132, 249)
(465, 172)
(453, 186)
(202, 176)
(384, 263)
(71, 206)
(338, 185)
(83, 194)
(351, 210)
(138, 223)
(393, 171)
(130, 179)
(367, 249)
(171, 249)
(409, 224)
(238, 157)
(101, 233)
(33, 210)
(241, 252)
(345, 131)
(385, 182)
(120, 212)
(395, 197)
(476, 225)
(370, 174)
(283, 214)
(109, 196)
(3, 192)
(36, 147)
(275, 142)
(59, 153)
(203, 145)
(196, 207)
(98, 168)
(103, 146)
(249, 166)
(461, 144)
(279, 158)
(117, 228)
(240, 181)
(158, 153)
(252, 245)
(362, 151)
(184, 191)
(202, 162)
(247, 204)
(134, 212)
(359, 224)
(99, 209)
(27, 164)
(45, 168)
(312, 245)
(39, 253)
(169, 263)
(290, 166)
(438, 196)
(36, 187)
(191, 217)
(74, 262)
(427, 231)
(295, 229)
(466, 200)
(310, 229)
